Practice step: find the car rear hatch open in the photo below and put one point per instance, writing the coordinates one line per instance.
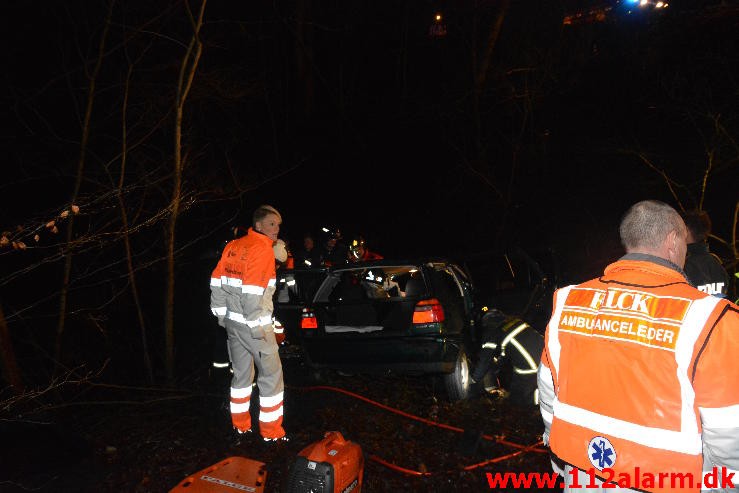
(369, 301)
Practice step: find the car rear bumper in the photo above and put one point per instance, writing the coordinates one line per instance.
(399, 355)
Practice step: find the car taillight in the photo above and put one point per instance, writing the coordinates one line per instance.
(308, 320)
(428, 311)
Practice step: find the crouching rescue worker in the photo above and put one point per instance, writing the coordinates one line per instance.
(638, 379)
(242, 286)
(510, 343)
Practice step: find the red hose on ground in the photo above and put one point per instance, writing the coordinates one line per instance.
(523, 448)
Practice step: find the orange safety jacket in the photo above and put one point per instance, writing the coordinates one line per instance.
(637, 366)
(243, 282)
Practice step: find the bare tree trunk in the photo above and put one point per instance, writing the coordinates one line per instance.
(187, 73)
(67, 274)
(11, 372)
(126, 236)
(481, 72)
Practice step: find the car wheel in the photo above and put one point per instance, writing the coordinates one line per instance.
(458, 384)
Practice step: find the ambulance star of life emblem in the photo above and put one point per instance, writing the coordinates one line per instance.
(601, 453)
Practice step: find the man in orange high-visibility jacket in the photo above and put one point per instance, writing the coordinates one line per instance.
(638, 377)
(242, 285)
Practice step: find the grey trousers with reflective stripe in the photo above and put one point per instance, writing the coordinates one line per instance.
(246, 352)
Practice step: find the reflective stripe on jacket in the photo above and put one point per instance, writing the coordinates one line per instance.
(243, 282)
(631, 373)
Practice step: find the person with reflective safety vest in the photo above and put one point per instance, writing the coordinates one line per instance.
(242, 285)
(638, 377)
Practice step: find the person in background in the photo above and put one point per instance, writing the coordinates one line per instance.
(242, 285)
(638, 374)
(334, 250)
(703, 268)
(309, 257)
(358, 251)
(510, 344)
(221, 358)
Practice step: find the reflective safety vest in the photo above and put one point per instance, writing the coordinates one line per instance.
(243, 282)
(622, 352)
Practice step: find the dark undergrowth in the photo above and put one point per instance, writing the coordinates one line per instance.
(113, 439)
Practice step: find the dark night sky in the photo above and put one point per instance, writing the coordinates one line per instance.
(390, 146)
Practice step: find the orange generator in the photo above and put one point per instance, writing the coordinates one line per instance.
(331, 465)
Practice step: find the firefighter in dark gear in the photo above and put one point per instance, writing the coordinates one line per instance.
(358, 251)
(242, 285)
(333, 251)
(509, 345)
(703, 268)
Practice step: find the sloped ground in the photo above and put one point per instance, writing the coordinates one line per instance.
(141, 440)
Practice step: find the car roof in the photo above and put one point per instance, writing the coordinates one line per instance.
(389, 262)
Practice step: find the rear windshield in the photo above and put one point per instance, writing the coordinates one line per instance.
(347, 285)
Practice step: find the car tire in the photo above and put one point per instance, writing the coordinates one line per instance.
(458, 383)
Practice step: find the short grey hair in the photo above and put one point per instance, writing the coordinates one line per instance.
(647, 223)
(263, 211)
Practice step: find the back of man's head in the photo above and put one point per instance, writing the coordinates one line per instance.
(263, 211)
(698, 223)
(646, 224)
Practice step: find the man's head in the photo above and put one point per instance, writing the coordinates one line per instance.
(308, 242)
(267, 220)
(654, 228)
(699, 225)
(357, 249)
(332, 238)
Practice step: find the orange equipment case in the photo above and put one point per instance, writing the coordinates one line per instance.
(229, 475)
(331, 465)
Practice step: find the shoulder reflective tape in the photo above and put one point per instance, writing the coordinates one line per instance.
(270, 416)
(554, 346)
(525, 354)
(240, 408)
(240, 393)
(720, 417)
(271, 401)
(513, 334)
(219, 311)
(215, 281)
(675, 441)
(692, 326)
(251, 289)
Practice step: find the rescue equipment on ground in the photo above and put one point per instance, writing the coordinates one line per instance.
(330, 465)
(227, 476)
